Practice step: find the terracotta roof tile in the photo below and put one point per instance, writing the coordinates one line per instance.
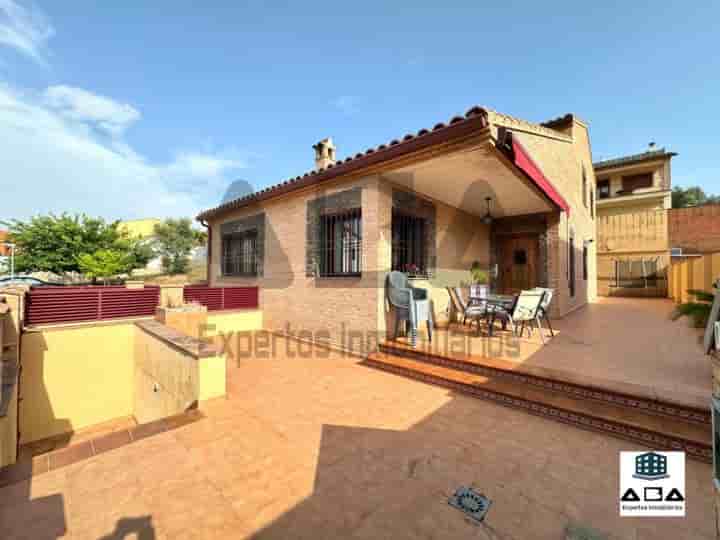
(634, 158)
(475, 118)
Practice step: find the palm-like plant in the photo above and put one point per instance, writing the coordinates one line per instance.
(697, 311)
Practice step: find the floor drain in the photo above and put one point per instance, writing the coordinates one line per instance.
(473, 504)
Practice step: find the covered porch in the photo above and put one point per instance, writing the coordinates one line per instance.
(486, 204)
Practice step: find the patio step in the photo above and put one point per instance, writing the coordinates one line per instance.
(630, 423)
(498, 369)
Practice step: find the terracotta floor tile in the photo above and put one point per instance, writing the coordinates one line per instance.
(331, 449)
(111, 441)
(70, 455)
(142, 431)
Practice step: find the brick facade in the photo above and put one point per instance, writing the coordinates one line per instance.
(328, 309)
(695, 229)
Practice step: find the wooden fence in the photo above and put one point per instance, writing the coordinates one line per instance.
(698, 272)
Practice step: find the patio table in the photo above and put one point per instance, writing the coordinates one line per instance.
(503, 301)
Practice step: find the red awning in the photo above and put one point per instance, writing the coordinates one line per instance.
(522, 160)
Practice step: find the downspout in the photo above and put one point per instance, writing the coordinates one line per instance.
(209, 248)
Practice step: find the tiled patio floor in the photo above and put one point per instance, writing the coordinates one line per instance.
(623, 344)
(326, 448)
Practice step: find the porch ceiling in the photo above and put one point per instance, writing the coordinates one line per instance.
(465, 178)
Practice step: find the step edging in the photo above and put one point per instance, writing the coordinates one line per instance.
(657, 441)
(652, 406)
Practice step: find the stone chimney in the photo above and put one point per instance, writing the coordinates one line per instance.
(324, 153)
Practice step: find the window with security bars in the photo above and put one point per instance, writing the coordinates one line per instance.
(409, 244)
(239, 254)
(340, 246)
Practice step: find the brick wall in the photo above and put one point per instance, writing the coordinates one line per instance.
(562, 161)
(323, 309)
(695, 229)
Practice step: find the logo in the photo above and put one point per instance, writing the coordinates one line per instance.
(652, 483)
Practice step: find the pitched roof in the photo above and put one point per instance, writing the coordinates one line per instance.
(475, 119)
(650, 155)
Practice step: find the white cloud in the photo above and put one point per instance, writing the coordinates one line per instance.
(347, 105)
(85, 107)
(55, 158)
(25, 29)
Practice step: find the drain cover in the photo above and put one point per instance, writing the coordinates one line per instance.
(472, 503)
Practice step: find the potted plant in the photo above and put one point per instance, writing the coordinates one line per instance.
(478, 274)
(412, 270)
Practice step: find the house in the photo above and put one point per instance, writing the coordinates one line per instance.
(4, 250)
(633, 200)
(139, 228)
(515, 196)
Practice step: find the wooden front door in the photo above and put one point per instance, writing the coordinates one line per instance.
(518, 263)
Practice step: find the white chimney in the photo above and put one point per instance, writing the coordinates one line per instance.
(324, 153)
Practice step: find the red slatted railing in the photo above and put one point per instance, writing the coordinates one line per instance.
(219, 298)
(73, 304)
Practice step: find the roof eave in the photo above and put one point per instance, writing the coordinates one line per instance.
(475, 120)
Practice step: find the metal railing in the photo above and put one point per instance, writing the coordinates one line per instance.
(45, 305)
(220, 298)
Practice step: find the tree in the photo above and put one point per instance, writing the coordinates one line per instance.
(54, 243)
(175, 239)
(692, 196)
(104, 263)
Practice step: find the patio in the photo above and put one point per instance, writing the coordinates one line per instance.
(318, 447)
(625, 345)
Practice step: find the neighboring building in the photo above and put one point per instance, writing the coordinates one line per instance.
(4, 250)
(139, 228)
(4, 253)
(320, 246)
(633, 199)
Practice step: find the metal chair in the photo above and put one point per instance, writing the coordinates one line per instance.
(476, 310)
(525, 309)
(410, 304)
(545, 306)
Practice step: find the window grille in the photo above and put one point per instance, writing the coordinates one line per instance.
(240, 254)
(409, 244)
(340, 249)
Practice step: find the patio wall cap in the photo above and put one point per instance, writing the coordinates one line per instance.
(184, 343)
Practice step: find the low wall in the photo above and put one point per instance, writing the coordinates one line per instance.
(8, 394)
(692, 273)
(75, 376)
(224, 322)
(173, 372)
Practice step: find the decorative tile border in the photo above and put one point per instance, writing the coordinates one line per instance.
(26, 468)
(651, 439)
(676, 412)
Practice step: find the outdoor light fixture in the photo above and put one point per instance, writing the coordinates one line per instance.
(487, 218)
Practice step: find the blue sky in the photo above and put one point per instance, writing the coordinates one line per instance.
(133, 109)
